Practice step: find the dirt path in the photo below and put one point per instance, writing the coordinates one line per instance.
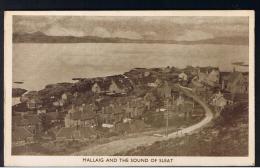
(121, 145)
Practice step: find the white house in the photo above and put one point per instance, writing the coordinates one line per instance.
(213, 77)
(183, 76)
(34, 103)
(147, 73)
(16, 100)
(96, 88)
(209, 75)
(41, 111)
(218, 101)
(64, 96)
(114, 88)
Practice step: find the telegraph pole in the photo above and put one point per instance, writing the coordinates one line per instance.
(167, 118)
(193, 106)
(167, 121)
(168, 106)
(233, 97)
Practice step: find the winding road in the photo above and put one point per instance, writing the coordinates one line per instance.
(121, 145)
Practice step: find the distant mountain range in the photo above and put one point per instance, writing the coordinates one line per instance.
(39, 37)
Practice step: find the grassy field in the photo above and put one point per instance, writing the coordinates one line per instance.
(226, 136)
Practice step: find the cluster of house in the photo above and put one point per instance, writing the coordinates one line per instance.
(80, 120)
(227, 86)
(208, 80)
(87, 117)
(27, 118)
(219, 101)
(110, 85)
(91, 115)
(196, 77)
(234, 82)
(207, 76)
(31, 123)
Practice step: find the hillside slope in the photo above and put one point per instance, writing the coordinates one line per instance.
(227, 136)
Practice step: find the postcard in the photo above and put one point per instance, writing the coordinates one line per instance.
(129, 88)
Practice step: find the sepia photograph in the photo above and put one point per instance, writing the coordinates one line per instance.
(129, 88)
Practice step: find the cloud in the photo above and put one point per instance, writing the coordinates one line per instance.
(190, 35)
(135, 27)
(127, 34)
(101, 32)
(240, 64)
(57, 30)
(150, 33)
(28, 26)
(213, 20)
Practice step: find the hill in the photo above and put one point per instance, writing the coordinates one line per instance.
(39, 37)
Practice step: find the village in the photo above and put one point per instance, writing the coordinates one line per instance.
(137, 101)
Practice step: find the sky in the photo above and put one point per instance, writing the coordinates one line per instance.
(39, 64)
(179, 28)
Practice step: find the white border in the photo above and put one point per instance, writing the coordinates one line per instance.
(10, 160)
